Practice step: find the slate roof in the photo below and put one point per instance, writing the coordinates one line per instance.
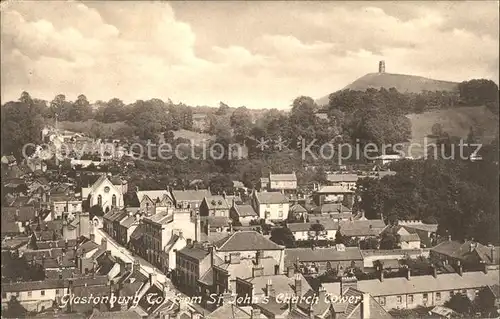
(338, 178)
(53, 284)
(244, 210)
(425, 227)
(422, 284)
(243, 269)
(115, 314)
(216, 221)
(353, 310)
(246, 241)
(321, 255)
(271, 198)
(229, 311)
(194, 252)
(216, 202)
(280, 283)
(461, 251)
(297, 208)
(283, 177)
(329, 224)
(410, 237)
(138, 232)
(190, 195)
(362, 227)
(26, 213)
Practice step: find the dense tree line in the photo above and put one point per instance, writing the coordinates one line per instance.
(462, 196)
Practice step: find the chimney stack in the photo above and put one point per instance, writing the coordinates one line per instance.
(152, 278)
(381, 67)
(211, 251)
(255, 313)
(459, 268)
(269, 287)
(434, 271)
(290, 271)
(365, 307)
(298, 285)
(92, 237)
(408, 273)
(257, 257)
(381, 273)
(104, 243)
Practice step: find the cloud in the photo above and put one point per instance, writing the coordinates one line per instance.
(254, 54)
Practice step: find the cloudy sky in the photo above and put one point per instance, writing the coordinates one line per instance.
(257, 54)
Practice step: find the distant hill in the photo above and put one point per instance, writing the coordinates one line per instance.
(456, 122)
(402, 82)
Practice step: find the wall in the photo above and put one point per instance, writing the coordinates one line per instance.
(36, 300)
(370, 256)
(278, 255)
(391, 302)
(273, 211)
(107, 197)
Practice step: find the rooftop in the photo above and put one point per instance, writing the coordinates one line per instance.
(283, 177)
(335, 189)
(271, 198)
(321, 254)
(421, 284)
(244, 210)
(216, 202)
(246, 241)
(190, 195)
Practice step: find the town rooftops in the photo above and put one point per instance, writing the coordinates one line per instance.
(321, 254)
(190, 195)
(246, 241)
(243, 269)
(431, 228)
(422, 284)
(283, 177)
(334, 189)
(154, 195)
(271, 198)
(297, 208)
(160, 218)
(53, 284)
(463, 251)
(281, 283)
(244, 210)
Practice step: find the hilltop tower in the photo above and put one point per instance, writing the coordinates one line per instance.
(381, 67)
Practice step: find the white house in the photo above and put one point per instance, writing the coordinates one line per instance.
(104, 193)
(270, 205)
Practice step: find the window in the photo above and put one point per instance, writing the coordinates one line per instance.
(65, 209)
(452, 293)
(99, 200)
(280, 213)
(29, 293)
(57, 292)
(410, 298)
(425, 297)
(400, 299)
(438, 296)
(42, 293)
(382, 301)
(281, 205)
(268, 206)
(4, 295)
(113, 200)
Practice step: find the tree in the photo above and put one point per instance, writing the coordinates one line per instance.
(241, 122)
(485, 302)
(389, 240)
(369, 243)
(283, 236)
(95, 210)
(339, 238)
(317, 229)
(223, 109)
(460, 303)
(220, 183)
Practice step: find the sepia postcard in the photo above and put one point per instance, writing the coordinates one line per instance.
(250, 159)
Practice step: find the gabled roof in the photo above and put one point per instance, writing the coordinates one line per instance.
(271, 198)
(244, 210)
(153, 195)
(194, 252)
(331, 208)
(246, 241)
(297, 208)
(354, 311)
(328, 224)
(462, 251)
(216, 202)
(216, 221)
(410, 237)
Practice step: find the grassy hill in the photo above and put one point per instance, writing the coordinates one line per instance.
(402, 82)
(456, 122)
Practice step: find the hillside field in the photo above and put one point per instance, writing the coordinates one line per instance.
(456, 122)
